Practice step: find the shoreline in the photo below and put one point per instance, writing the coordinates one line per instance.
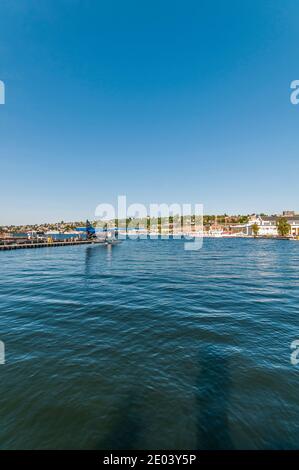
(20, 246)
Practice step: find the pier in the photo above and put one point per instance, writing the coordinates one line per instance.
(21, 246)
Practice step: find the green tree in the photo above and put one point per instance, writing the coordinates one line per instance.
(283, 227)
(243, 219)
(255, 229)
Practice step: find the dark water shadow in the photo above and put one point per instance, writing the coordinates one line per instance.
(213, 386)
(126, 430)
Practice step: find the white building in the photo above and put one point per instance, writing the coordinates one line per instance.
(268, 225)
(294, 223)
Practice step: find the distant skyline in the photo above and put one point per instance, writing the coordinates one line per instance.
(171, 101)
(82, 220)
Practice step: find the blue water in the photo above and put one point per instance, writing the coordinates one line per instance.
(145, 345)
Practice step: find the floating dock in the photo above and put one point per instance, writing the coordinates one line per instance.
(22, 246)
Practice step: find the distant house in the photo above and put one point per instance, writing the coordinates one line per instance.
(268, 225)
(294, 223)
(288, 213)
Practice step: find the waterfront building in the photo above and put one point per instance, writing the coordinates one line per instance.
(268, 225)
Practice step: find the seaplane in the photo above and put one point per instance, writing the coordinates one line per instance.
(104, 236)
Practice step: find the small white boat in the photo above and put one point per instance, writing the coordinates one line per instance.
(34, 235)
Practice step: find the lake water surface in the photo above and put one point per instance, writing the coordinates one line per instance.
(145, 345)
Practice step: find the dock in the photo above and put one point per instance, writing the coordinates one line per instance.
(22, 246)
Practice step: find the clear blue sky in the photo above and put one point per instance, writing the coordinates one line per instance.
(164, 101)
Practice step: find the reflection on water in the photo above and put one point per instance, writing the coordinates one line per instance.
(109, 249)
(98, 254)
(145, 345)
